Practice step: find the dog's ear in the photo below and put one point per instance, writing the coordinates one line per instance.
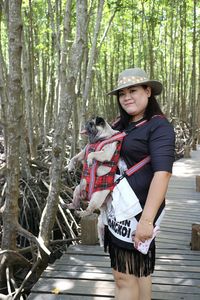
(100, 121)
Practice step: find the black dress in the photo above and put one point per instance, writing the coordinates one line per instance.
(155, 138)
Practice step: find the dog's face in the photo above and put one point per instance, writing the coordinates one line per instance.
(97, 129)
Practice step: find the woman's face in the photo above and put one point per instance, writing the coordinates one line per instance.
(134, 100)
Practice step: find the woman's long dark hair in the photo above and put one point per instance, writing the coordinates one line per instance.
(153, 108)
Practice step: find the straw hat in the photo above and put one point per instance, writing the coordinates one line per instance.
(135, 77)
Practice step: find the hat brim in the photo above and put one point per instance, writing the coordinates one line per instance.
(156, 86)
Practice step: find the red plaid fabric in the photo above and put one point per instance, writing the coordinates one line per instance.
(89, 174)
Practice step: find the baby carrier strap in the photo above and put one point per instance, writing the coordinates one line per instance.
(134, 169)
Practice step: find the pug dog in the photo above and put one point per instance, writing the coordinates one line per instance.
(98, 130)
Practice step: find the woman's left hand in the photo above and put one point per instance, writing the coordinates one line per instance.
(144, 231)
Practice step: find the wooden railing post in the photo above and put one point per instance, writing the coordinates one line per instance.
(89, 231)
(195, 243)
(187, 151)
(194, 144)
(197, 183)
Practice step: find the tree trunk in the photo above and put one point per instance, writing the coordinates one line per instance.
(91, 61)
(13, 118)
(67, 94)
(170, 87)
(183, 113)
(198, 105)
(3, 92)
(29, 135)
(193, 77)
(31, 68)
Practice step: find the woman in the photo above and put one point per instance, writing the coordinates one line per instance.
(149, 133)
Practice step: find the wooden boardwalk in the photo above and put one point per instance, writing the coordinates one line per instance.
(84, 271)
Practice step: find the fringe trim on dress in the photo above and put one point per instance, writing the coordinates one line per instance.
(130, 261)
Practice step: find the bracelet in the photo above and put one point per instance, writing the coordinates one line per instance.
(147, 221)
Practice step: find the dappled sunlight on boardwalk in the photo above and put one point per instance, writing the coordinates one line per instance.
(188, 167)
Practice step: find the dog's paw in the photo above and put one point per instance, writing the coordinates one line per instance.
(71, 166)
(69, 206)
(83, 213)
(90, 159)
(72, 206)
(90, 162)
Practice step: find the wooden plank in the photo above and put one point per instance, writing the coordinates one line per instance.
(87, 250)
(181, 219)
(92, 275)
(170, 229)
(175, 227)
(82, 257)
(96, 264)
(182, 195)
(77, 287)
(195, 254)
(176, 274)
(180, 256)
(167, 267)
(174, 237)
(181, 214)
(177, 289)
(177, 281)
(46, 296)
(179, 262)
(78, 268)
(184, 210)
(178, 245)
(173, 296)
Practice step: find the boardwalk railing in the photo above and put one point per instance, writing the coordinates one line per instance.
(84, 271)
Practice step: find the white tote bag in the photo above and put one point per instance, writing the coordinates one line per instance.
(125, 202)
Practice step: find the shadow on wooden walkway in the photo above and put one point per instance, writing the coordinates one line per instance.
(84, 271)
